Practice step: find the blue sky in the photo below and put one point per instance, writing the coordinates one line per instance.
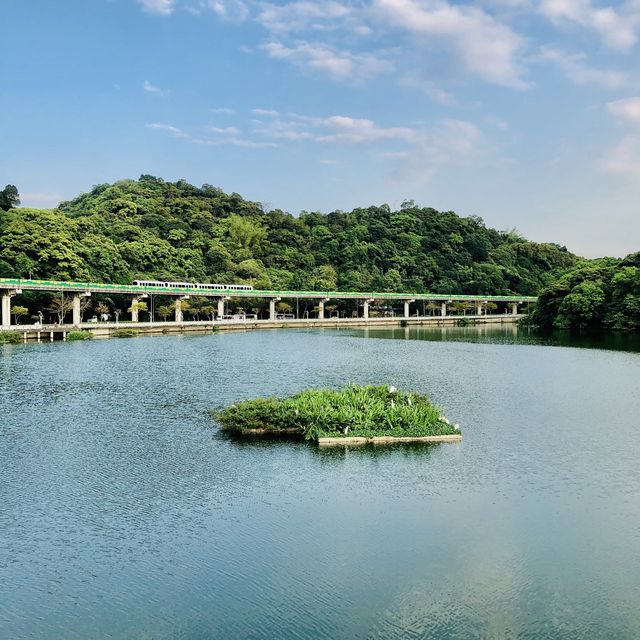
(525, 112)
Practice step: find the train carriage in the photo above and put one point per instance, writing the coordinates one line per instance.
(193, 285)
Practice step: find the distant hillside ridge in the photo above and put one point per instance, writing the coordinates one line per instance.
(150, 228)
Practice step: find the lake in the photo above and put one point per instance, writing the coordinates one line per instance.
(126, 514)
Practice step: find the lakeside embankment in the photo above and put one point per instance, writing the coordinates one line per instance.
(51, 333)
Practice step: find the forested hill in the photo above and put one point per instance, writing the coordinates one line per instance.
(165, 230)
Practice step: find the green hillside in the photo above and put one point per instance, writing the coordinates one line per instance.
(157, 229)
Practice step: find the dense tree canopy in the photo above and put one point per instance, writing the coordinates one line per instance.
(597, 294)
(155, 229)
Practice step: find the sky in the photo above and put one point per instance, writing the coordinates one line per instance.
(523, 112)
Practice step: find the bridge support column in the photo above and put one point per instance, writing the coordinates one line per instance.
(135, 308)
(365, 308)
(272, 308)
(406, 307)
(6, 307)
(514, 308)
(321, 308)
(479, 307)
(75, 307)
(220, 308)
(443, 309)
(179, 309)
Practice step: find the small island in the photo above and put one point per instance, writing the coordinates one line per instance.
(353, 415)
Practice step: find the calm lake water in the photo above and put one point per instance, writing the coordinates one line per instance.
(124, 513)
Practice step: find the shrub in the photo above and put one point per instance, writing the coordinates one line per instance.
(73, 336)
(10, 337)
(124, 333)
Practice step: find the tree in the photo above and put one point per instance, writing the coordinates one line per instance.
(164, 311)
(9, 197)
(18, 311)
(284, 307)
(85, 303)
(584, 306)
(137, 306)
(102, 308)
(60, 306)
(208, 310)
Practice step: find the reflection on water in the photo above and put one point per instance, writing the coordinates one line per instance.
(127, 514)
(507, 334)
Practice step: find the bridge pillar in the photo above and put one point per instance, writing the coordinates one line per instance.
(443, 309)
(178, 308)
(321, 308)
(75, 307)
(272, 308)
(514, 308)
(406, 307)
(135, 310)
(6, 307)
(479, 307)
(365, 308)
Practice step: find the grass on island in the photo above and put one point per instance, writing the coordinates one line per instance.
(351, 412)
(125, 333)
(73, 336)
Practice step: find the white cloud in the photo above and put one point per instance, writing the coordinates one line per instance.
(417, 152)
(222, 136)
(430, 89)
(224, 110)
(346, 130)
(623, 158)
(303, 15)
(626, 110)
(234, 141)
(616, 29)
(265, 112)
(335, 129)
(450, 143)
(339, 65)
(150, 88)
(571, 64)
(169, 128)
(161, 7)
(485, 46)
(229, 9)
(231, 131)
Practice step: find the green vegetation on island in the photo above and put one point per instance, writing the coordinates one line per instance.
(353, 412)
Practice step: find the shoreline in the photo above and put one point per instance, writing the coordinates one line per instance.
(53, 333)
(324, 442)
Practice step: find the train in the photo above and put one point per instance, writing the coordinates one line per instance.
(192, 285)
